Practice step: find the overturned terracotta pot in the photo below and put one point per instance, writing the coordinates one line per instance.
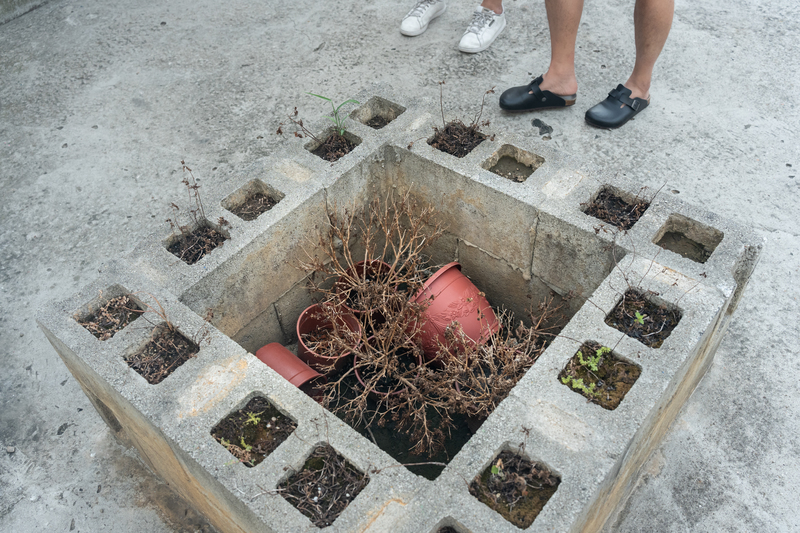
(452, 298)
(291, 368)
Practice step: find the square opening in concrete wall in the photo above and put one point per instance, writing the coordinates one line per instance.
(190, 243)
(644, 317)
(252, 200)
(616, 207)
(112, 310)
(324, 487)
(456, 138)
(688, 238)
(166, 350)
(470, 231)
(254, 431)
(377, 112)
(515, 487)
(331, 146)
(513, 163)
(599, 375)
(448, 525)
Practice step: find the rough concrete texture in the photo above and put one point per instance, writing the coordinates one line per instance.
(209, 82)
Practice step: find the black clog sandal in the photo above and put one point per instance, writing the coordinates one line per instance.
(530, 97)
(616, 110)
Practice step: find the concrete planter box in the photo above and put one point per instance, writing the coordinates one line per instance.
(516, 241)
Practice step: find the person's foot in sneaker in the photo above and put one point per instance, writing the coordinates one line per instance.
(417, 20)
(486, 25)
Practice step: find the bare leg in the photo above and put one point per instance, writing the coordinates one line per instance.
(563, 17)
(652, 20)
(494, 5)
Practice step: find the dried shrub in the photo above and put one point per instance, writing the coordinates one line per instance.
(397, 385)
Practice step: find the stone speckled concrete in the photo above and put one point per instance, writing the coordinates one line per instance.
(209, 82)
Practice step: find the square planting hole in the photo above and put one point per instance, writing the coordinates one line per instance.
(377, 112)
(331, 146)
(448, 527)
(513, 163)
(109, 313)
(496, 261)
(252, 200)
(688, 238)
(166, 350)
(644, 318)
(515, 487)
(599, 375)
(324, 487)
(616, 207)
(254, 431)
(191, 246)
(456, 138)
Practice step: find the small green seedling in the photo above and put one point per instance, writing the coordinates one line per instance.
(497, 469)
(245, 446)
(639, 318)
(253, 418)
(337, 120)
(578, 384)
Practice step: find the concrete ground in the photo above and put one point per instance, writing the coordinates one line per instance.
(100, 101)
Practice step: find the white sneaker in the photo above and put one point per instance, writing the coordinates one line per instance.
(486, 25)
(417, 20)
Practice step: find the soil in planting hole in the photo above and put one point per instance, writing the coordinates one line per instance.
(606, 385)
(165, 352)
(645, 321)
(516, 488)
(610, 208)
(510, 168)
(254, 206)
(397, 443)
(684, 246)
(112, 317)
(334, 147)
(377, 122)
(456, 138)
(447, 529)
(324, 487)
(191, 247)
(253, 432)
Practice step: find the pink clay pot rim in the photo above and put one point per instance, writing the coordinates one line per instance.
(344, 317)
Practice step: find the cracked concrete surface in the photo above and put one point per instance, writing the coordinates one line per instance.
(100, 101)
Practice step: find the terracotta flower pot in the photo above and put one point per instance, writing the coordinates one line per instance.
(295, 371)
(452, 297)
(311, 320)
(377, 393)
(363, 270)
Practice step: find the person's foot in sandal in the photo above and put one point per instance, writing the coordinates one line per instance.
(545, 92)
(620, 106)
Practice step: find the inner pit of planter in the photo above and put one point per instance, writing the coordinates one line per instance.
(377, 112)
(513, 163)
(513, 252)
(688, 238)
(252, 200)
